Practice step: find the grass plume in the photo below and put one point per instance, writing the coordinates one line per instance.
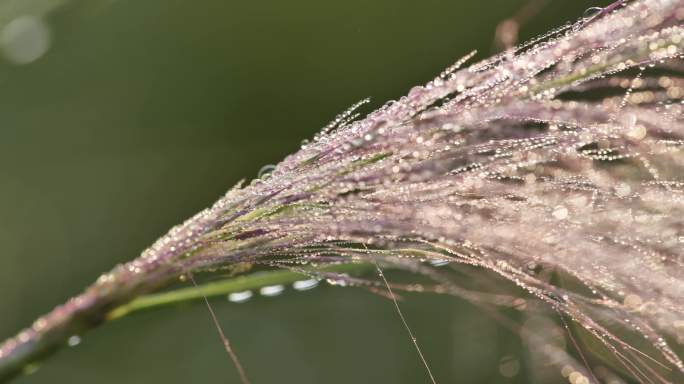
(555, 165)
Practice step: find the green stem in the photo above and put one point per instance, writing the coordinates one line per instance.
(96, 306)
(224, 287)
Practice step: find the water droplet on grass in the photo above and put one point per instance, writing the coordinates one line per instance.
(338, 282)
(272, 290)
(560, 213)
(265, 171)
(240, 297)
(74, 341)
(304, 285)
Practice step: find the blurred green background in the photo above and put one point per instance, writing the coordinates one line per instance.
(119, 119)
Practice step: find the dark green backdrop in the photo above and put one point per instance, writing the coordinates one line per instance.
(143, 112)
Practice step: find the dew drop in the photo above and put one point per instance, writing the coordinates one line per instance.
(560, 212)
(439, 263)
(338, 282)
(388, 104)
(265, 171)
(271, 290)
(577, 378)
(623, 189)
(304, 285)
(638, 132)
(240, 297)
(74, 341)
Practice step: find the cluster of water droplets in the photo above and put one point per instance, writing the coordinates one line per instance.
(555, 167)
(564, 154)
(272, 290)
